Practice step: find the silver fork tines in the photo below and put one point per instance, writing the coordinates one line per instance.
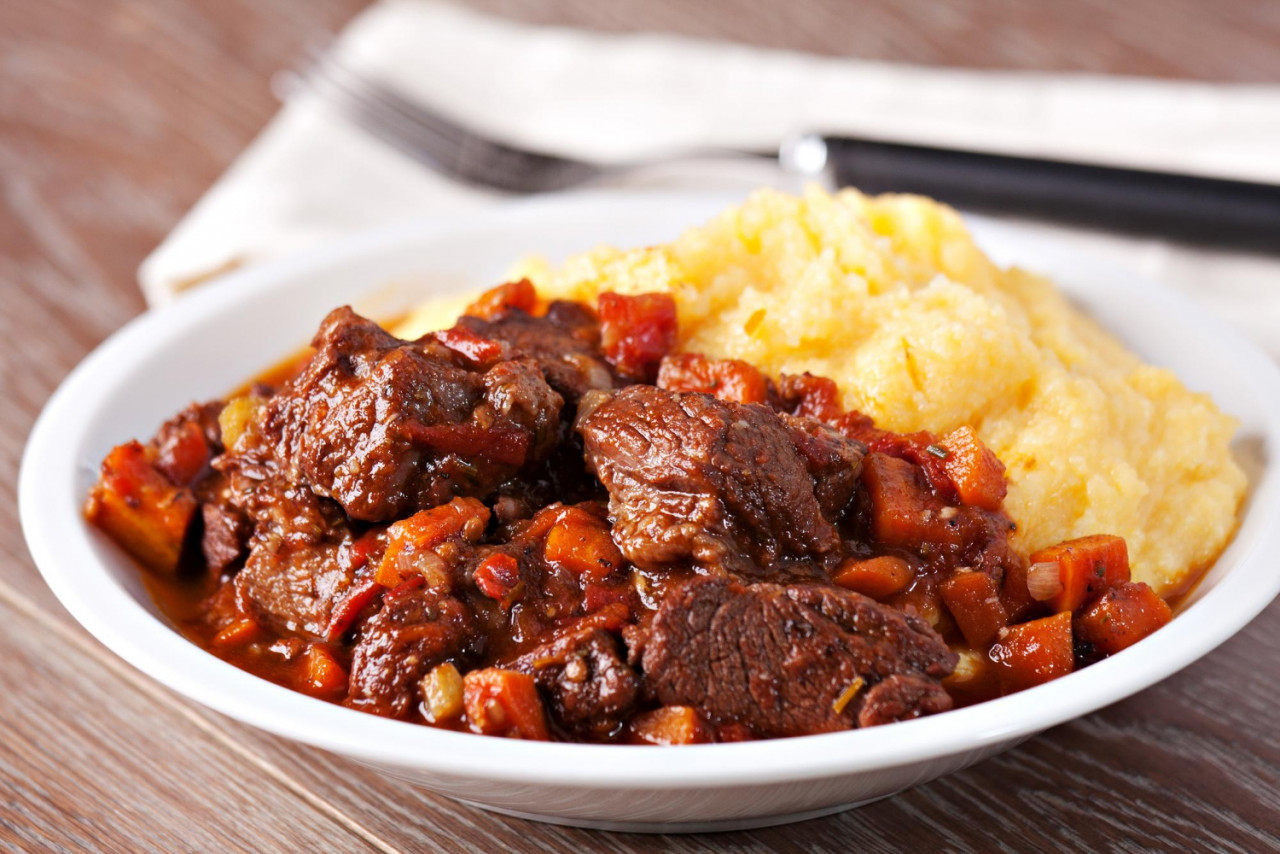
(466, 155)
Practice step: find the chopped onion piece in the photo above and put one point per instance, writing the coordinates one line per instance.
(1044, 580)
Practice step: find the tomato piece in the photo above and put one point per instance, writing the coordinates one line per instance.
(810, 395)
(977, 473)
(1033, 653)
(1121, 617)
(498, 577)
(493, 302)
(728, 379)
(322, 675)
(141, 509)
(876, 577)
(507, 446)
(637, 331)
(362, 593)
(471, 347)
(597, 595)
(582, 543)
(504, 702)
(973, 598)
(1087, 567)
(669, 725)
(464, 518)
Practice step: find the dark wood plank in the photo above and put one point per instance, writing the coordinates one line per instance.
(115, 117)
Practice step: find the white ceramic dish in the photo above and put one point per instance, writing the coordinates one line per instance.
(215, 338)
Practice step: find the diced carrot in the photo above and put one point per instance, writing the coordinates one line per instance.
(493, 302)
(1033, 653)
(322, 675)
(977, 473)
(1014, 594)
(141, 509)
(183, 453)
(732, 732)
(470, 346)
(810, 395)
(973, 598)
(582, 543)
(504, 702)
(876, 577)
(902, 509)
(1086, 567)
(637, 331)
(669, 725)
(242, 631)
(1121, 617)
(498, 577)
(728, 379)
(461, 517)
(504, 445)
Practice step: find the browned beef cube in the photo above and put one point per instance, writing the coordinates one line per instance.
(386, 427)
(590, 689)
(790, 660)
(721, 485)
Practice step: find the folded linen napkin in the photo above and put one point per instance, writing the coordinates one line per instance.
(311, 176)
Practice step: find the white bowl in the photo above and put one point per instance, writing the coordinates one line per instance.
(214, 339)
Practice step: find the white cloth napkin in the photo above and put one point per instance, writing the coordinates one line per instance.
(311, 176)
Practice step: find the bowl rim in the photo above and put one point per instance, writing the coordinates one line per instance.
(63, 546)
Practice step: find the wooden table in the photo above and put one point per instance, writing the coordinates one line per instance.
(115, 117)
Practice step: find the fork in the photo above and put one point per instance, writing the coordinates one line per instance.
(1192, 208)
(474, 158)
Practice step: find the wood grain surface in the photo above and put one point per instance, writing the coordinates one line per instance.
(114, 118)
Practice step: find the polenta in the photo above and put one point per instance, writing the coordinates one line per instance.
(891, 298)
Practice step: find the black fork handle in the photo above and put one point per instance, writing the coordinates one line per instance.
(1211, 211)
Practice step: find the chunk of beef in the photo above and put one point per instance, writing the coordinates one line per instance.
(833, 460)
(565, 343)
(901, 698)
(789, 660)
(187, 442)
(722, 485)
(225, 537)
(589, 688)
(416, 629)
(300, 562)
(385, 426)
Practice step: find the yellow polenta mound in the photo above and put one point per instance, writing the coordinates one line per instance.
(891, 298)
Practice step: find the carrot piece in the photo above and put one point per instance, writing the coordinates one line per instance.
(141, 509)
(1014, 593)
(1086, 567)
(504, 445)
(1121, 617)
(977, 473)
(669, 725)
(728, 379)
(461, 517)
(902, 508)
(242, 631)
(361, 594)
(637, 331)
(504, 702)
(495, 301)
(1033, 653)
(322, 675)
(582, 543)
(876, 577)
(973, 598)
